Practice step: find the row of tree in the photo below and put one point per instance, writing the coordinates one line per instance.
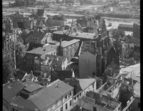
(9, 70)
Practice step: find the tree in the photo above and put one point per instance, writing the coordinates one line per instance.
(8, 69)
(20, 54)
(117, 33)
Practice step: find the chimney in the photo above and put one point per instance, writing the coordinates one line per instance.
(44, 48)
(60, 47)
(57, 85)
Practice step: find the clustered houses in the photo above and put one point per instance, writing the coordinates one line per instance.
(49, 82)
(18, 96)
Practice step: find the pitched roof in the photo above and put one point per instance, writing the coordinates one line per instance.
(50, 94)
(84, 83)
(31, 86)
(10, 90)
(36, 34)
(24, 103)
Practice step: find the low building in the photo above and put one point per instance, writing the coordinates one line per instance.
(15, 96)
(81, 87)
(133, 72)
(24, 96)
(45, 63)
(125, 27)
(38, 52)
(98, 102)
(68, 49)
(38, 37)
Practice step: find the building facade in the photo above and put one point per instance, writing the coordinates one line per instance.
(38, 52)
(58, 96)
(68, 48)
(9, 40)
(19, 21)
(97, 102)
(136, 30)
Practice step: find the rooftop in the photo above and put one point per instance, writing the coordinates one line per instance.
(79, 35)
(126, 25)
(67, 43)
(11, 90)
(133, 68)
(32, 87)
(42, 50)
(11, 94)
(23, 103)
(50, 94)
(36, 34)
(84, 83)
(81, 84)
(83, 35)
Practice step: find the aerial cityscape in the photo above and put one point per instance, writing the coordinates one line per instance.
(71, 55)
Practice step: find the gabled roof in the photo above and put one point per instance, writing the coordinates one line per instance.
(24, 103)
(36, 34)
(84, 83)
(50, 94)
(11, 90)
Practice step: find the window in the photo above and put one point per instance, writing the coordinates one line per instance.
(66, 97)
(61, 109)
(94, 109)
(70, 93)
(70, 102)
(66, 106)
